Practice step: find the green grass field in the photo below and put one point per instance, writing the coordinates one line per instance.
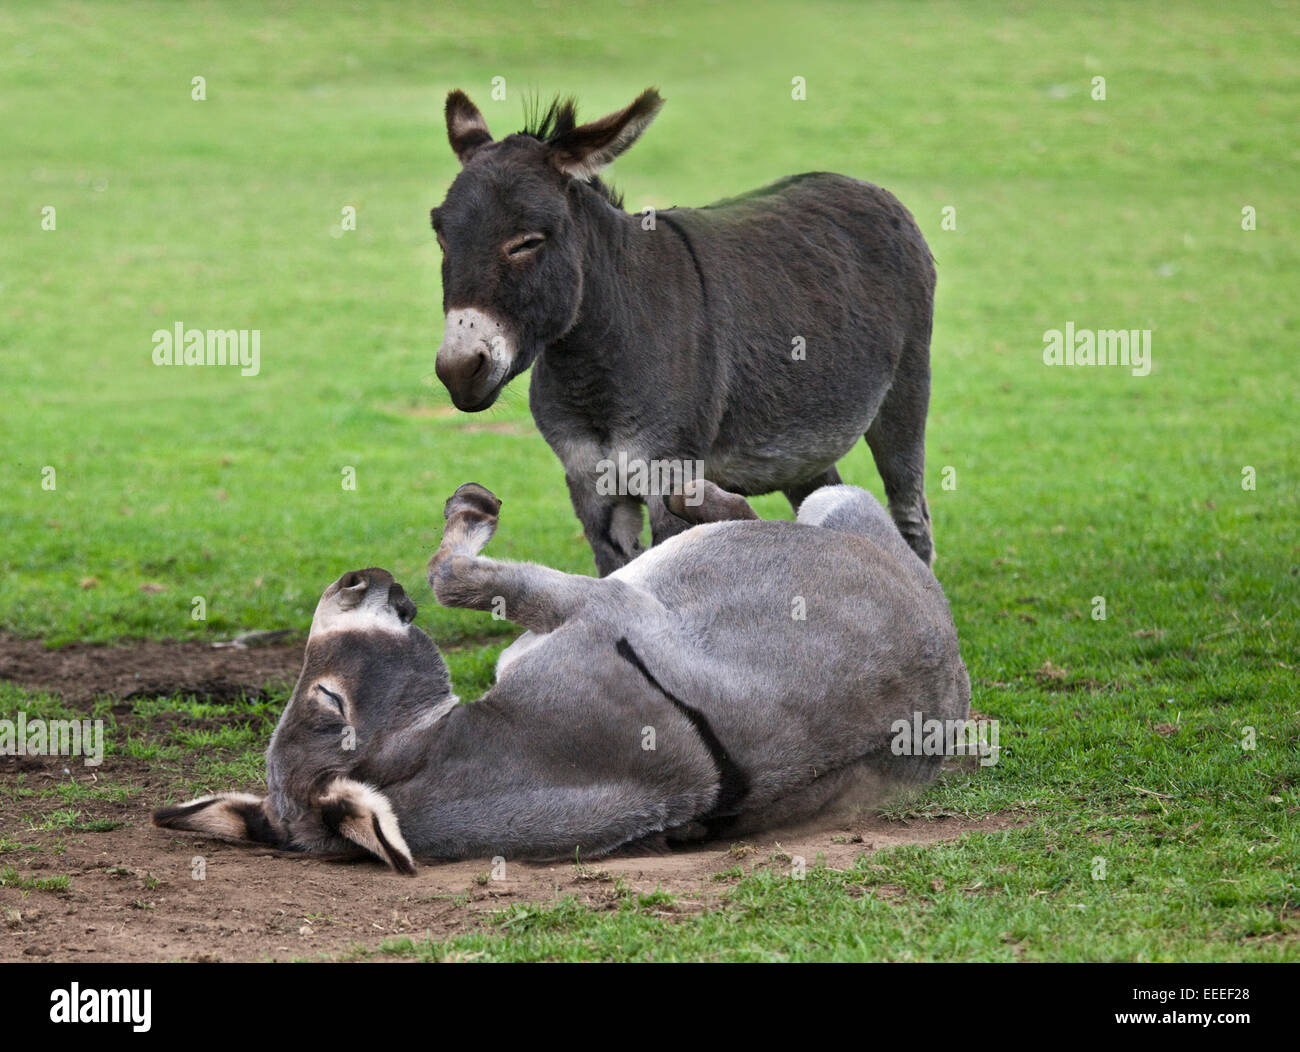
(1122, 738)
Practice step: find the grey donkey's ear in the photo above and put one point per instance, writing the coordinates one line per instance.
(363, 815)
(583, 151)
(352, 589)
(466, 128)
(230, 816)
(402, 603)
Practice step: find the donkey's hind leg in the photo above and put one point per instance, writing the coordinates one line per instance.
(897, 440)
(533, 596)
(612, 524)
(853, 510)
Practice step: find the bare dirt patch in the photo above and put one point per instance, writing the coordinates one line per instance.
(133, 895)
(80, 672)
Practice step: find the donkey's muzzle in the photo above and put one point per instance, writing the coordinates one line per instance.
(474, 358)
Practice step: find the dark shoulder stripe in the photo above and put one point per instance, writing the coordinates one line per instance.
(678, 229)
(733, 782)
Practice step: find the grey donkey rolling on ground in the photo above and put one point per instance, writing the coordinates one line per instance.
(760, 337)
(679, 698)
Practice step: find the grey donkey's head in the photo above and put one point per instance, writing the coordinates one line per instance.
(371, 684)
(512, 238)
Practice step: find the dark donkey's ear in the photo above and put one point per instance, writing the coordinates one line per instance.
(230, 816)
(585, 150)
(466, 128)
(363, 815)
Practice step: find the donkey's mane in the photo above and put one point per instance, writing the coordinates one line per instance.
(550, 125)
(547, 125)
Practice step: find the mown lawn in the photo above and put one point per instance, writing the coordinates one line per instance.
(1123, 737)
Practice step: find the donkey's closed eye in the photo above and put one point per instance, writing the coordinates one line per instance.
(523, 245)
(331, 699)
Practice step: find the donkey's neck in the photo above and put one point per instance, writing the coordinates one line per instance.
(636, 282)
(441, 708)
(410, 748)
(611, 274)
(624, 271)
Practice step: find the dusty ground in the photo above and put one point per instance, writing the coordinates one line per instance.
(80, 672)
(132, 894)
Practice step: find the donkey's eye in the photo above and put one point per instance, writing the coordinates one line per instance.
(523, 245)
(328, 697)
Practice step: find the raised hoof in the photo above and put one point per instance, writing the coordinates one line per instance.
(477, 501)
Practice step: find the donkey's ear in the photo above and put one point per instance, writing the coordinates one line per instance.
(351, 590)
(586, 149)
(466, 128)
(230, 816)
(364, 816)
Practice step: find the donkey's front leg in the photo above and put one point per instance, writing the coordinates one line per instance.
(612, 524)
(533, 596)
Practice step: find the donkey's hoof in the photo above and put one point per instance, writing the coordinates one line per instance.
(473, 499)
(702, 501)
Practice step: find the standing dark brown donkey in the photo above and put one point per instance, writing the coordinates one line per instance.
(757, 337)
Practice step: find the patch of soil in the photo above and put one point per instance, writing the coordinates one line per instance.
(81, 672)
(134, 895)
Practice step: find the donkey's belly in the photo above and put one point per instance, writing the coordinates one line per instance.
(789, 461)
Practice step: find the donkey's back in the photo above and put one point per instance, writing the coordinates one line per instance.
(819, 295)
